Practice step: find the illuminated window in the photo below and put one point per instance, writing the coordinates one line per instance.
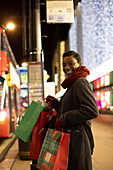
(105, 99)
(102, 81)
(98, 98)
(97, 83)
(107, 79)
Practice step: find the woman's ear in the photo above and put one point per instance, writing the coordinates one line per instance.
(80, 63)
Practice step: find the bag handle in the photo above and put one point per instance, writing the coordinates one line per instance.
(57, 136)
(49, 102)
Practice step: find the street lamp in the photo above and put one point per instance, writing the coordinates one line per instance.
(10, 26)
(24, 64)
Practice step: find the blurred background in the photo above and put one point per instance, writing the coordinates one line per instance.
(31, 53)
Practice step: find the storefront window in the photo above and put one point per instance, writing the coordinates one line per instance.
(107, 79)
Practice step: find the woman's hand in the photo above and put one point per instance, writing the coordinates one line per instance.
(57, 125)
(49, 98)
(54, 102)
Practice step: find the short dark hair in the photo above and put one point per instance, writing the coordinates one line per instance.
(74, 54)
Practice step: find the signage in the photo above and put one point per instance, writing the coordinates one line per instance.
(9, 82)
(23, 76)
(60, 11)
(49, 89)
(14, 76)
(35, 78)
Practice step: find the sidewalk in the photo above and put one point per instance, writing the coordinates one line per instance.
(103, 153)
(103, 135)
(5, 145)
(12, 161)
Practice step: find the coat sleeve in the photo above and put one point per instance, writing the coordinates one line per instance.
(87, 106)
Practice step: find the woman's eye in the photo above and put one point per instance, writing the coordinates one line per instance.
(64, 65)
(70, 64)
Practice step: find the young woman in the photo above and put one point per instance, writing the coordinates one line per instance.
(75, 110)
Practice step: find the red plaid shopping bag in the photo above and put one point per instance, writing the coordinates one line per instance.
(55, 144)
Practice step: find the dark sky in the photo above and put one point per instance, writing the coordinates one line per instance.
(11, 10)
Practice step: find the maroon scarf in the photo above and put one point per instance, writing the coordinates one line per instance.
(81, 71)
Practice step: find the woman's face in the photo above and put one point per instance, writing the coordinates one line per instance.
(70, 64)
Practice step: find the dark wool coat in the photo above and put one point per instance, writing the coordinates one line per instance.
(76, 109)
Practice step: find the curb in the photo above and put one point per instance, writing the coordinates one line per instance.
(6, 147)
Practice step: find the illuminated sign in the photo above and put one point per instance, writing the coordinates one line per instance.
(36, 84)
(23, 76)
(14, 76)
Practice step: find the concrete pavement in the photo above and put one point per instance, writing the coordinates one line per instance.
(12, 161)
(5, 144)
(103, 135)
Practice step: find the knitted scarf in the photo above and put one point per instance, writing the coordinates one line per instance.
(81, 71)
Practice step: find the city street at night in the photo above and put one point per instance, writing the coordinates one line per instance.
(56, 71)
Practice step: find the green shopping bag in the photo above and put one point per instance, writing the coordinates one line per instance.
(24, 130)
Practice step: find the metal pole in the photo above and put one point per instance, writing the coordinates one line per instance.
(35, 31)
(35, 44)
(38, 31)
(10, 110)
(24, 38)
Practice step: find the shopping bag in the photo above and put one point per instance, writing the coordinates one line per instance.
(55, 145)
(37, 137)
(24, 129)
(39, 132)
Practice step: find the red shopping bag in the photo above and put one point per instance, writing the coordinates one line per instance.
(61, 162)
(54, 151)
(39, 132)
(37, 139)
